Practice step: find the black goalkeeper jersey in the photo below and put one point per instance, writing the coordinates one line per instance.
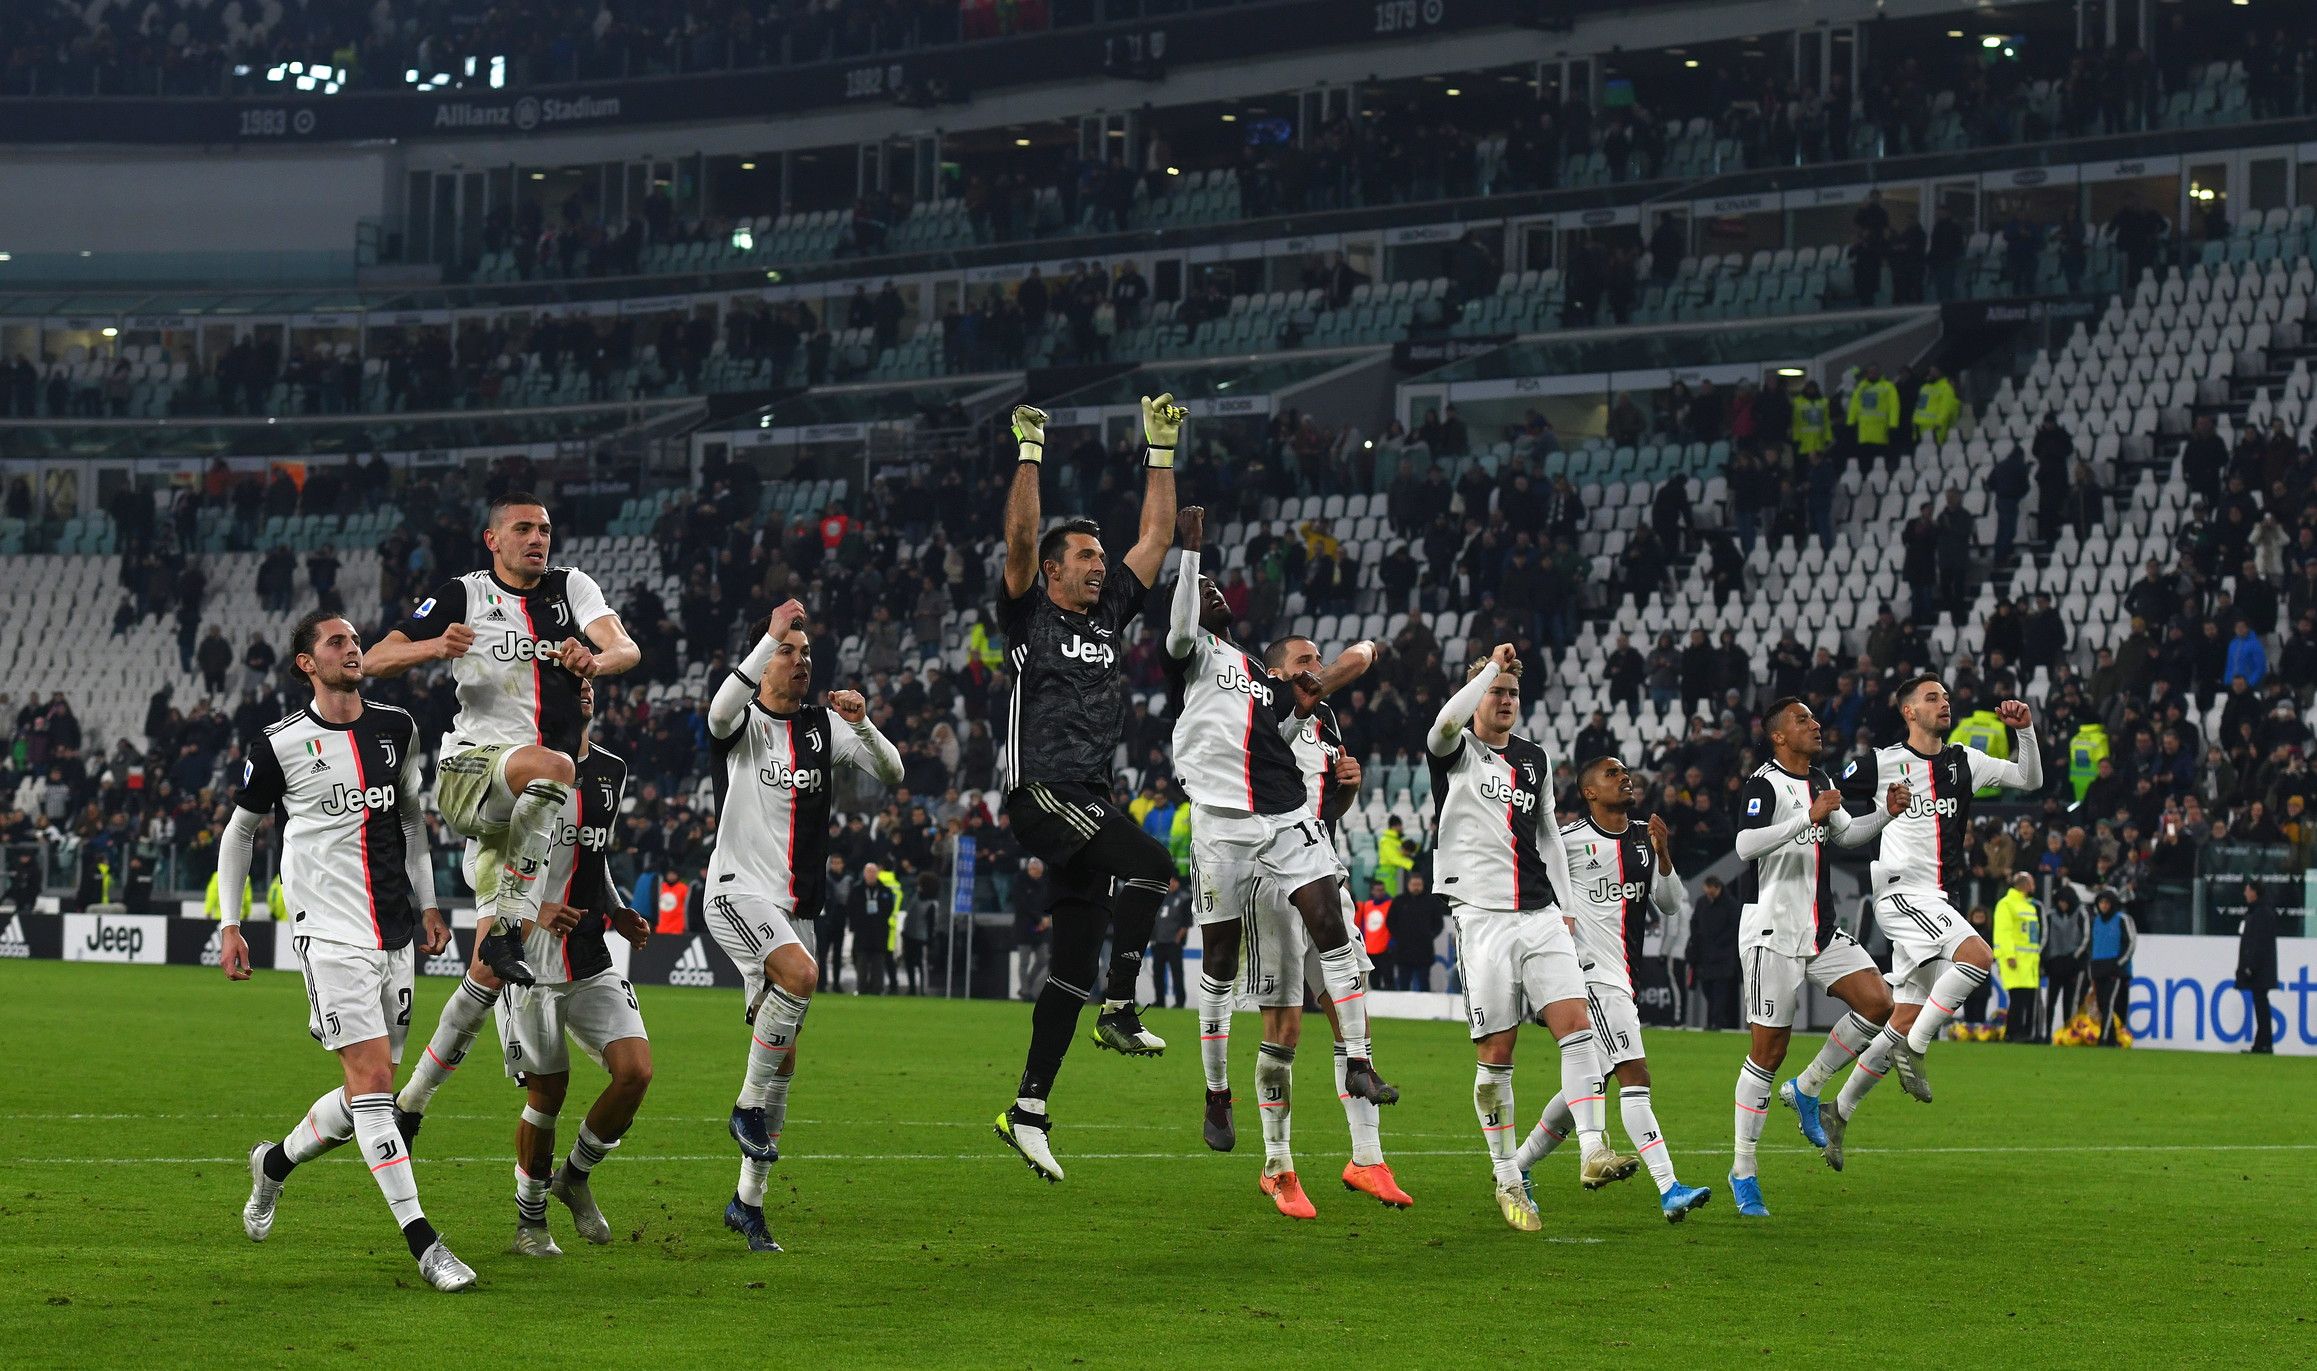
(1068, 711)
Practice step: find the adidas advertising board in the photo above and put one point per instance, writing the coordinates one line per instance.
(194, 942)
(33, 935)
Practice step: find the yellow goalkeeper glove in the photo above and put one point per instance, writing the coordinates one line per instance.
(1162, 425)
(1030, 432)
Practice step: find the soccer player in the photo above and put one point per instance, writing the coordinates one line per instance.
(1065, 612)
(1514, 950)
(1332, 781)
(1936, 960)
(776, 761)
(344, 774)
(1787, 933)
(520, 637)
(579, 993)
(1613, 868)
(1251, 828)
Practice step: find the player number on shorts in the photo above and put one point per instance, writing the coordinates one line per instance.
(630, 992)
(403, 1019)
(1310, 835)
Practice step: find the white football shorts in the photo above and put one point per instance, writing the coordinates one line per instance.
(533, 1021)
(1513, 964)
(354, 994)
(1773, 980)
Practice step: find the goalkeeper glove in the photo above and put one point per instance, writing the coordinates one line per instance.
(1162, 424)
(1030, 432)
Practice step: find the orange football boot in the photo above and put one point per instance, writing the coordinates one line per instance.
(1377, 1181)
(1287, 1192)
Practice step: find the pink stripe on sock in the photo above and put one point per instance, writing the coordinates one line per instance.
(1494, 1128)
(1938, 1006)
(1870, 1071)
(765, 1045)
(1271, 1104)
(1660, 1142)
(1349, 998)
(313, 1130)
(437, 1060)
(383, 1165)
(1214, 1037)
(1752, 1110)
(1845, 1048)
(1585, 1099)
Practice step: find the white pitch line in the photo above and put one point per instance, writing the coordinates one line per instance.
(996, 1154)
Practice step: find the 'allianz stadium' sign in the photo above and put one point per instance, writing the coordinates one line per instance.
(525, 114)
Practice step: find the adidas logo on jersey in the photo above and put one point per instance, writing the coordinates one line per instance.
(1093, 654)
(12, 942)
(692, 968)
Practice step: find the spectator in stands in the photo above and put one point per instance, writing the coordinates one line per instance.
(2247, 658)
(215, 656)
(1874, 412)
(1955, 537)
(1712, 954)
(2009, 485)
(1415, 919)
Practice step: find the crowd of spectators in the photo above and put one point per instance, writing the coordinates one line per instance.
(2225, 620)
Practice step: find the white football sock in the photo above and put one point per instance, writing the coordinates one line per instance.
(1492, 1100)
(384, 1154)
(588, 1151)
(454, 1034)
(1873, 1064)
(770, 1041)
(1633, 1104)
(1959, 982)
(753, 1175)
(1551, 1131)
(1275, 1100)
(1215, 1031)
(531, 1191)
(1754, 1086)
(325, 1126)
(1362, 1115)
(1581, 1083)
(1842, 1046)
(530, 832)
(1339, 970)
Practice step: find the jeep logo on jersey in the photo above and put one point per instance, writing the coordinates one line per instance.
(1920, 805)
(345, 799)
(1093, 654)
(1495, 787)
(593, 837)
(1233, 679)
(1606, 891)
(786, 777)
(517, 648)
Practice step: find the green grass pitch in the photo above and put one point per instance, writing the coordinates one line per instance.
(2054, 1208)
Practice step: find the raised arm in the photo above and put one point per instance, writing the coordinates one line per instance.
(1313, 687)
(861, 745)
(1162, 426)
(2024, 769)
(1022, 503)
(1857, 830)
(730, 704)
(1183, 616)
(1448, 726)
(1758, 835)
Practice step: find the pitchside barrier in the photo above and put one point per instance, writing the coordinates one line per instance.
(2183, 996)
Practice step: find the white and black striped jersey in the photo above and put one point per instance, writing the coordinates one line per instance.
(1229, 748)
(1488, 805)
(579, 871)
(511, 688)
(1068, 709)
(1923, 851)
(1611, 877)
(774, 780)
(1787, 900)
(339, 789)
(1319, 745)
